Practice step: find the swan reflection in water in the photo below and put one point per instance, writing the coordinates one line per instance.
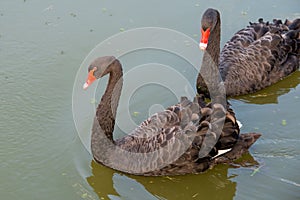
(212, 184)
(271, 94)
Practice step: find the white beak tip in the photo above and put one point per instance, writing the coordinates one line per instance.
(202, 46)
(85, 86)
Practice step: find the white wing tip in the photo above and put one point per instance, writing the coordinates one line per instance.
(239, 123)
(221, 152)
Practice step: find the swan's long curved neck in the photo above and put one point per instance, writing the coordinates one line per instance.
(107, 108)
(209, 78)
(212, 51)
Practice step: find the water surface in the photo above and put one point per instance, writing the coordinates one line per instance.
(42, 45)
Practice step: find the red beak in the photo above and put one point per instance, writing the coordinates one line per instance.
(90, 79)
(204, 38)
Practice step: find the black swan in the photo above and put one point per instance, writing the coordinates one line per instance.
(256, 57)
(169, 142)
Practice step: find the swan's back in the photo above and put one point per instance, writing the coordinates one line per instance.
(182, 130)
(162, 128)
(260, 55)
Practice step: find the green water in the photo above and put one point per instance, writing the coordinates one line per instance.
(42, 46)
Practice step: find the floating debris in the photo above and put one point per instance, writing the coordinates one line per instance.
(62, 52)
(195, 195)
(91, 30)
(290, 182)
(73, 14)
(51, 7)
(244, 13)
(93, 101)
(48, 23)
(197, 5)
(135, 114)
(122, 29)
(82, 192)
(172, 179)
(256, 170)
(104, 10)
(283, 122)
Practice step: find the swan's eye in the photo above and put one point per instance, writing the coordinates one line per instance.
(90, 68)
(93, 71)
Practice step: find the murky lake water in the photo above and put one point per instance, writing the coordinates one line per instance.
(42, 45)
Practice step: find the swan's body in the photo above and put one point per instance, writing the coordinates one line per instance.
(181, 131)
(256, 57)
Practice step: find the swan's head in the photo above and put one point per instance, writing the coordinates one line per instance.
(208, 22)
(98, 68)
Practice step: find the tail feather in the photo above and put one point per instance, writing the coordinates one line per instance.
(243, 144)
